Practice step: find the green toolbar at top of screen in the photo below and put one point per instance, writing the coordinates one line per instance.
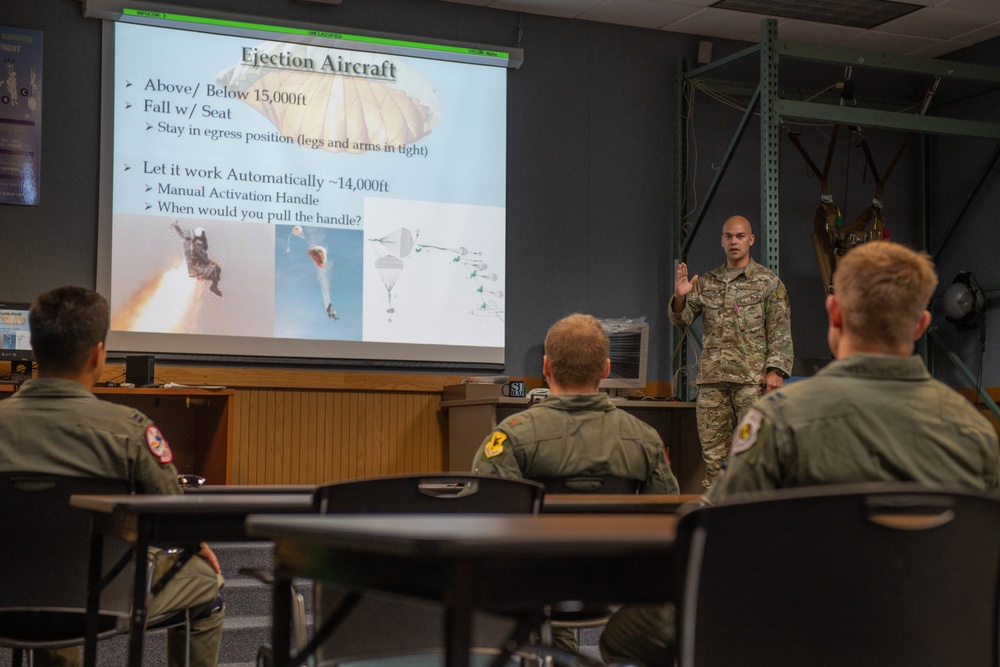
(362, 39)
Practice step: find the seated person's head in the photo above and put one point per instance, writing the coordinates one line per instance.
(67, 324)
(881, 293)
(576, 354)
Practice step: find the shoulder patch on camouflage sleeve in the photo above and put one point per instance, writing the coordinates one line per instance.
(781, 294)
(746, 433)
(494, 447)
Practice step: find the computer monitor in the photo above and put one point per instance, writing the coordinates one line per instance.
(15, 339)
(629, 355)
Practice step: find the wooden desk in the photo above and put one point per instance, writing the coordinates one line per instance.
(471, 420)
(155, 520)
(506, 564)
(198, 424)
(615, 503)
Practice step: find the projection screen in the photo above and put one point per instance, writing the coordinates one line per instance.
(283, 191)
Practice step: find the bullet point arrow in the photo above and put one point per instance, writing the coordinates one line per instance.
(127, 167)
(148, 188)
(148, 127)
(128, 105)
(128, 84)
(149, 206)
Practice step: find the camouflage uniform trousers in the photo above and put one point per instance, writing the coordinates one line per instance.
(720, 407)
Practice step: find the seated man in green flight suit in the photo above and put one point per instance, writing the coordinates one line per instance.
(55, 425)
(577, 430)
(873, 415)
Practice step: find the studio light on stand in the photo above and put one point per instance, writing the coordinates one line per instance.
(965, 304)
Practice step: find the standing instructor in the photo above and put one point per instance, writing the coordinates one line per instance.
(747, 343)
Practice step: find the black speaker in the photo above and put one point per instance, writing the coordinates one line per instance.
(139, 370)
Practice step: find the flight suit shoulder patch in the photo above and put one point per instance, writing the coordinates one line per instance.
(495, 447)
(158, 445)
(746, 433)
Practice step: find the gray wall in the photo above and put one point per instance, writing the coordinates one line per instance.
(957, 165)
(590, 167)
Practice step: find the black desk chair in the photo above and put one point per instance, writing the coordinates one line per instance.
(860, 575)
(43, 565)
(575, 616)
(386, 630)
(590, 484)
(449, 493)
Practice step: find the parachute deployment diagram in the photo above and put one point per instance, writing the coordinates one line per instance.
(445, 267)
(389, 267)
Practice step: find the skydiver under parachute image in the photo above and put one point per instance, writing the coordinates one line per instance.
(310, 257)
(199, 264)
(317, 254)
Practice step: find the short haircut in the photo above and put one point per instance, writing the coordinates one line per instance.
(577, 347)
(883, 289)
(66, 323)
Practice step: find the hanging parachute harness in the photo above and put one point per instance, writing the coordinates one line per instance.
(831, 237)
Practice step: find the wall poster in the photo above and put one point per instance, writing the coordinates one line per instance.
(20, 115)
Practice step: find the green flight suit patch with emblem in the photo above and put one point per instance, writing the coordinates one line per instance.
(495, 446)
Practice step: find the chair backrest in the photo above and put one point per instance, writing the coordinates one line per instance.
(44, 560)
(432, 493)
(590, 484)
(860, 575)
(384, 626)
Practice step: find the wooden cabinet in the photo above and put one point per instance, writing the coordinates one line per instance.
(471, 420)
(198, 424)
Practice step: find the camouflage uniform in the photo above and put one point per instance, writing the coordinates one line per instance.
(59, 427)
(865, 418)
(576, 434)
(747, 331)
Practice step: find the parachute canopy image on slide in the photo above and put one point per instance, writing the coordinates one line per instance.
(346, 113)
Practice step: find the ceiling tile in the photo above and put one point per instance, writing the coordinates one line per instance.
(981, 34)
(719, 23)
(938, 23)
(640, 13)
(873, 40)
(562, 8)
(817, 33)
(939, 26)
(981, 6)
(942, 48)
